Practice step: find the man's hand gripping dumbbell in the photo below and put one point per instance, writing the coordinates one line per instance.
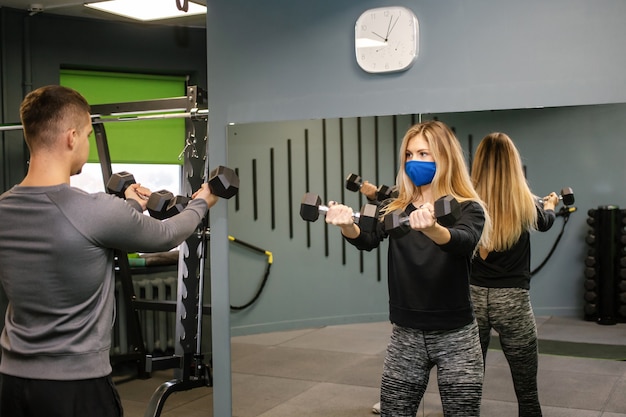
(123, 185)
(223, 182)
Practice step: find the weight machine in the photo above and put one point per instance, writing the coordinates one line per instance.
(190, 370)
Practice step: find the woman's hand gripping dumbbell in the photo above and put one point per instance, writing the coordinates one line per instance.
(446, 212)
(337, 214)
(567, 196)
(373, 193)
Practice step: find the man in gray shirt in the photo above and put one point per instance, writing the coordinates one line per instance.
(57, 266)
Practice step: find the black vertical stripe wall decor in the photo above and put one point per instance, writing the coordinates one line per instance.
(360, 165)
(395, 142)
(470, 146)
(289, 189)
(325, 183)
(306, 181)
(376, 175)
(237, 195)
(376, 151)
(255, 202)
(342, 164)
(342, 188)
(272, 191)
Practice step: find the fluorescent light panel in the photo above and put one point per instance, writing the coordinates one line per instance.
(147, 10)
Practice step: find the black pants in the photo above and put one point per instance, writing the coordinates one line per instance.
(21, 397)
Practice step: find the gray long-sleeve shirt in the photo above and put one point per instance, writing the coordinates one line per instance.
(57, 270)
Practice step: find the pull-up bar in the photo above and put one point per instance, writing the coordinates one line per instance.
(193, 114)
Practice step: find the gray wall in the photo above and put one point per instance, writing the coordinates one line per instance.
(285, 60)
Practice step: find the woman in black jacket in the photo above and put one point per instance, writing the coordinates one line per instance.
(428, 277)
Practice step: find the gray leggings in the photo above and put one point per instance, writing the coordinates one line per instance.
(509, 312)
(411, 355)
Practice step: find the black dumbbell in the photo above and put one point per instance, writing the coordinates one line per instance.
(162, 204)
(383, 192)
(567, 196)
(447, 212)
(223, 182)
(119, 182)
(311, 207)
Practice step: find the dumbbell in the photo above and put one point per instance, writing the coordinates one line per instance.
(119, 182)
(383, 192)
(567, 196)
(223, 182)
(311, 207)
(447, 212)
(162, 204)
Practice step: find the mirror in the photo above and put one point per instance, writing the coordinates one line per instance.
(580, 147)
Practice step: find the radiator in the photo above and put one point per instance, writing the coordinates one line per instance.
(157, 327)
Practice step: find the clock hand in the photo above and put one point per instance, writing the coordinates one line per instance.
(384, 39)
(389, 27)
(382, 47)
(394, 25)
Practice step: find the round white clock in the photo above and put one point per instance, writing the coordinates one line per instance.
(386, 39)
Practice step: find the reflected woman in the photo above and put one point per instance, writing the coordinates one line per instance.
(500, 280)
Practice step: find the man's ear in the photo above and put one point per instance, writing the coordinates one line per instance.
(70, 136)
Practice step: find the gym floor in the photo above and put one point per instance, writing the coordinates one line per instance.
(335, 371)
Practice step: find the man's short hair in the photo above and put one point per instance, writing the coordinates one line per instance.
(48, 110)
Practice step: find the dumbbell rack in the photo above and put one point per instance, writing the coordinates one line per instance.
(190, 371)
(605, 266)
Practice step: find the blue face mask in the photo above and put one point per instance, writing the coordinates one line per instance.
(420, 172)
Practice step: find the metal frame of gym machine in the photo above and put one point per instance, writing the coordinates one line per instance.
(190, 370)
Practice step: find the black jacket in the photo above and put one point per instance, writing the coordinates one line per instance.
(510, 268)
(429, 283)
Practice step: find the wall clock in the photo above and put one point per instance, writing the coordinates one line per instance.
(386, 39)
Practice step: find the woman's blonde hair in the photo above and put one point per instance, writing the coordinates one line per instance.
(498, 176)
(451, 176)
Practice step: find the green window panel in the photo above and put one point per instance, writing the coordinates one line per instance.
(157, 141)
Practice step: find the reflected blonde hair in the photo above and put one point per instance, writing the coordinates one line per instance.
(451, 177)
(498, 176)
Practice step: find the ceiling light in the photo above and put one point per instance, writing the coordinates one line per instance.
(146, 10)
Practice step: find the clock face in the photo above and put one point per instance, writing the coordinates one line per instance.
(386, 39)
